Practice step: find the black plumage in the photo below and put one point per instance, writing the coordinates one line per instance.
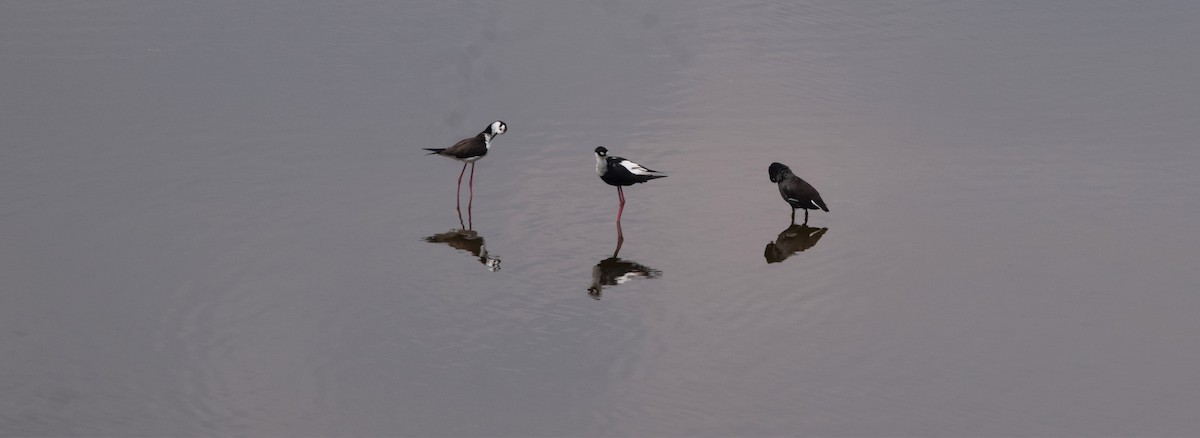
(797, 192)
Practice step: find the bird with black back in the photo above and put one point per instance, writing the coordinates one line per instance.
(795, 191)
(620, 172)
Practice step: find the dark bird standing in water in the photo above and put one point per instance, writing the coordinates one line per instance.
(797, 192)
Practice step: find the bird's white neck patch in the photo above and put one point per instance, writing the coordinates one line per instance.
(601, 165)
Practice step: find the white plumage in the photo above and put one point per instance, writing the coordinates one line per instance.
(634, 168)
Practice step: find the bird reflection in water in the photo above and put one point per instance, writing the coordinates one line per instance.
(467, 239)
(794, 239)
(613, 270)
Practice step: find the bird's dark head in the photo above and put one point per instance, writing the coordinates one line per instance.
(497, 128)
(601, 151)
(776, 171)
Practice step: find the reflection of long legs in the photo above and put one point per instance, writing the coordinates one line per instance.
(805, 217)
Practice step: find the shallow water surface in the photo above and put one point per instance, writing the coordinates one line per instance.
(217, 219)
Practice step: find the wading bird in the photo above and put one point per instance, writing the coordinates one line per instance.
(797, 192)
(617, 171)
(470, 150)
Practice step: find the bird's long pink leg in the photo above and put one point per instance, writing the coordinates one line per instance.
(620, 209)
(471, 183)
(620, 240)
(457, 193)
(458, 208)
(470, 221)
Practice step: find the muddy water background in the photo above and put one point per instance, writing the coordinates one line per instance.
(215, 219)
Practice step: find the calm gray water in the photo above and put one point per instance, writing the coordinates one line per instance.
(216, 219)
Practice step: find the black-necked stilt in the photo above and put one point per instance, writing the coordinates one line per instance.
(617, 171)
(469, 150)
(797, 192)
